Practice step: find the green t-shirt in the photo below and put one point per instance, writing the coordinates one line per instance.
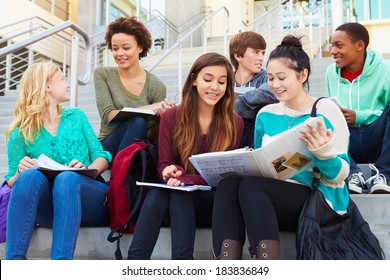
(112, 95)
(75, 139)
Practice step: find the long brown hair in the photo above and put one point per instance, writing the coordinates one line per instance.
(223, 128)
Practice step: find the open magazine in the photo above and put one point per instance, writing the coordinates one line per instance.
(51, 168)
(128, 112)
(186, 188)
(284, 156)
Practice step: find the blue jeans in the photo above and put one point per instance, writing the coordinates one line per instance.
(371, 144)
(182, 220)
(125, 134)
(71, 201)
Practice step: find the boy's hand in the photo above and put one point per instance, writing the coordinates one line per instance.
(349, 115)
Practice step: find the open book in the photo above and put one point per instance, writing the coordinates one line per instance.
(335, 100)
(282, 157)
(128, 112)
(186, 188)
(51, 168)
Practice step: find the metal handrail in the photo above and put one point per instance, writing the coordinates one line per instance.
(3, 40)
(163, 18)
(180, 41)
(52, 31)
(17, 22)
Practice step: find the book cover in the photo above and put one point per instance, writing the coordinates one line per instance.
(128, 112)
(284, 156)
(186, 188)
(51, 168)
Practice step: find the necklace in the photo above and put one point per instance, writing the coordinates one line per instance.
(52, 128)
(203, 146)
(289, 123)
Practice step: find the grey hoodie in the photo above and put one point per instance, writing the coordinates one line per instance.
(248, 104)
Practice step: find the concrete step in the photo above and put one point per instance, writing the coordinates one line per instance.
(92, 242)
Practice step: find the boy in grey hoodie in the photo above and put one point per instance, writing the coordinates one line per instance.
(247, 51)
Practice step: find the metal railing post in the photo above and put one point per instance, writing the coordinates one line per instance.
(8, 69)
(30, 50)
(64, 61)
(204, 38)
(311, 35)
(74, 71)
(226, 30)
(180, 68)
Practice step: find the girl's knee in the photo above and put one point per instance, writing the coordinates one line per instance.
(66, 182)
(137, 123)
(67, 177)
(30, 179)
(156, 200)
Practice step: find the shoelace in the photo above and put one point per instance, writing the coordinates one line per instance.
(357, 179)
(378, 178)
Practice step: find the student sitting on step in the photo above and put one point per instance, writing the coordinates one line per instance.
(127, 85)
(205, 121)
(360, 80)
(41, 126)
(247, 51)
(259, 207)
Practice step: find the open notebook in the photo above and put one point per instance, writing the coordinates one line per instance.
(186, 188)
(51, 168)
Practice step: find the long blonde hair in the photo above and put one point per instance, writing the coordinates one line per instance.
(223, 128)
(32, 102)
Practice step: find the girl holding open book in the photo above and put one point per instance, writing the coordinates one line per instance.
(127, 85)
(205, 121)
(259, 206)
(41, 126)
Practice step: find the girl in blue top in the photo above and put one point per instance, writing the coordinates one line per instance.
(264, 206)
(41, 126)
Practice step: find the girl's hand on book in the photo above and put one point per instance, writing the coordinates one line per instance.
(76, 164)
(25, 163)
(164, 105)
(171, 171)
(173, 182)
(316, 138)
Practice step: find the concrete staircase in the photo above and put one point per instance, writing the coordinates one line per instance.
(92, 242)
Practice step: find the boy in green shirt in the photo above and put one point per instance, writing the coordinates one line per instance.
(360, 80)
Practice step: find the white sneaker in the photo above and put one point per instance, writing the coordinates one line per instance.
(356, 183)
(378, 182)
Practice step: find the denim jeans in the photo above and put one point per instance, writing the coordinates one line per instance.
(125, 134)
(71, 201)
(371, 144)
(182, 221)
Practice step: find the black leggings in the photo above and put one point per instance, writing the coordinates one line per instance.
(262, 206)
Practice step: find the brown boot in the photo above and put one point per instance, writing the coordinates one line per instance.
(230, 250)
(268, 250)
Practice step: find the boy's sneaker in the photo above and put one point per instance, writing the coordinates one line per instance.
(378, 182)
(356, 183)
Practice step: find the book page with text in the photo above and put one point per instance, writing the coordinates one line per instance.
(215, 166)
